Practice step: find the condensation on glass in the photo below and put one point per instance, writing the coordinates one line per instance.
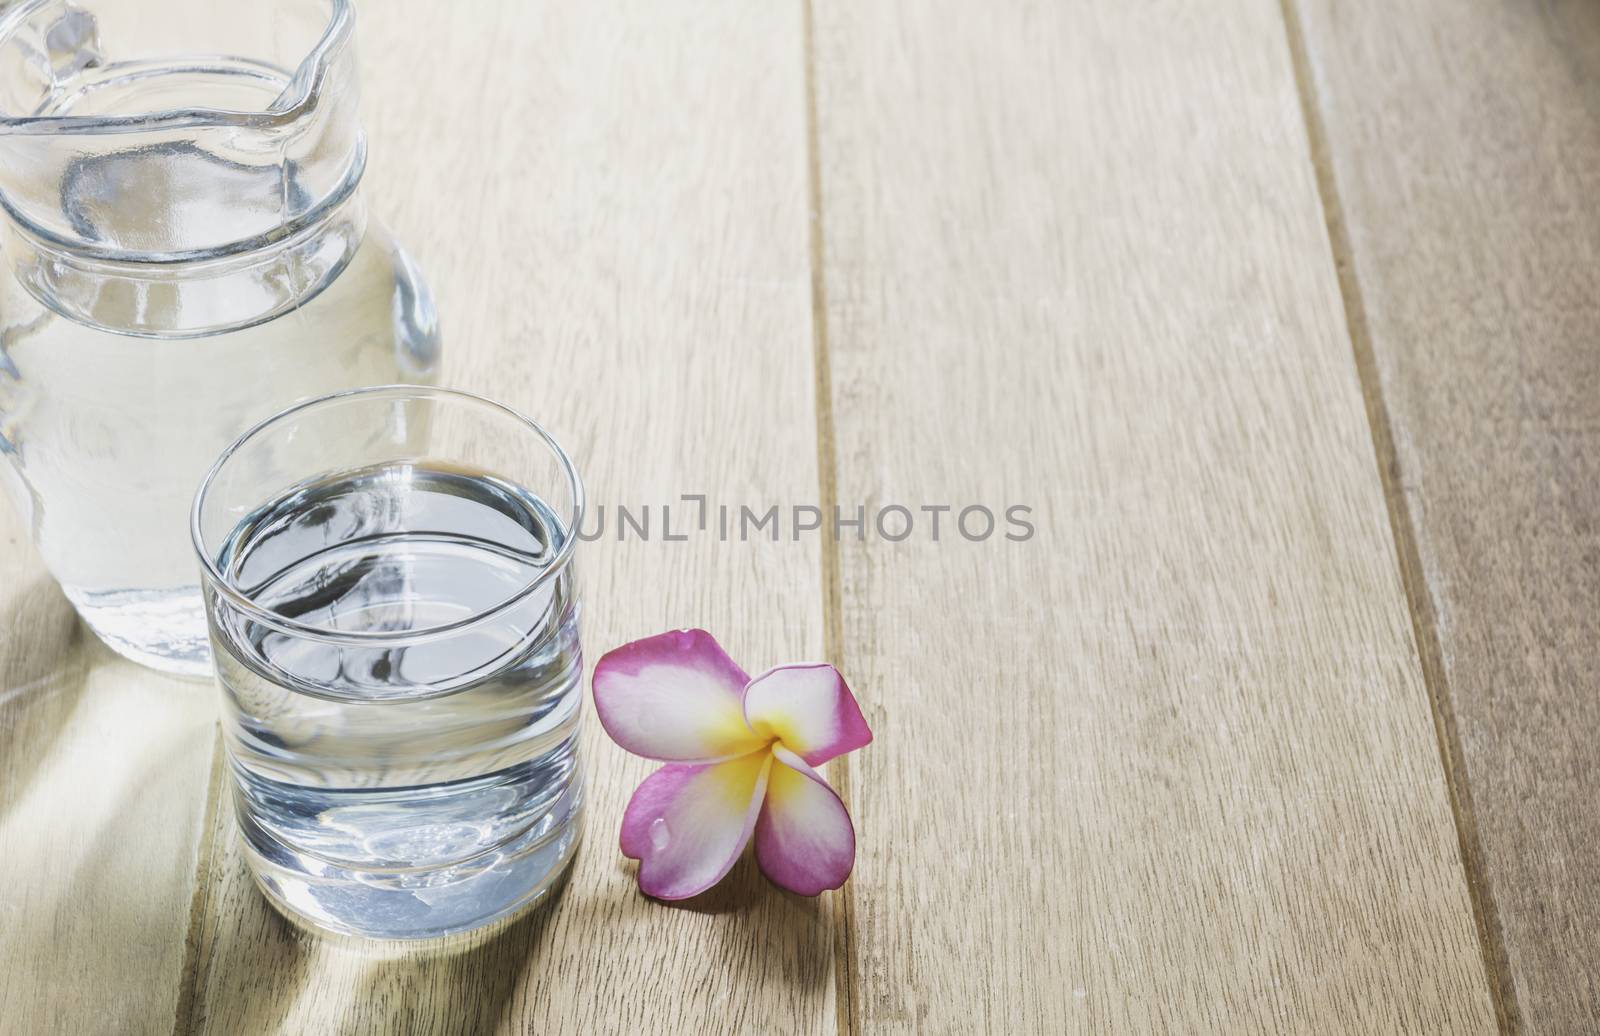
(186, 250)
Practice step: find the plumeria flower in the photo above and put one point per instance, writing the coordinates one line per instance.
(739, 755)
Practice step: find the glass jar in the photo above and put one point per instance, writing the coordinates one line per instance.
(186, 251)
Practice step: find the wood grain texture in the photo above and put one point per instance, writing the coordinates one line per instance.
(1169, 766)
(610, 202)
(103, 769)
(1463, 146)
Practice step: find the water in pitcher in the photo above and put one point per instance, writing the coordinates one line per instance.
(410, 786)
(109, 433)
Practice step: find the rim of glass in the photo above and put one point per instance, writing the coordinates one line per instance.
(283, 624)
(304, 84)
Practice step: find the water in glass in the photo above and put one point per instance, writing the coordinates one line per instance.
(387, 783)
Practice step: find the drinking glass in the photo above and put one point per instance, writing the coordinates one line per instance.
(394, 626)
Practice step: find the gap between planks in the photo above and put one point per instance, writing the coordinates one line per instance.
(188, 987)
(845, 991)
(1491, 941)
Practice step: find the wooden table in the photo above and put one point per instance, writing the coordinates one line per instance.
(1281, 319)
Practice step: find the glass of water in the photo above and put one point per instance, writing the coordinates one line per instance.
(389, 586)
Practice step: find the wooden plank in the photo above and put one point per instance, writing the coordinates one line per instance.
(1169, 765)
(1463, 147)
(103, 769)
(610, 203)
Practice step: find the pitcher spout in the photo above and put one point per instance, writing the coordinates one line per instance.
(238, 129)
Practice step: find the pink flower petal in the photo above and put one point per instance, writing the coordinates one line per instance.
(676, 697)
(809, 709)
(804, 839)
(687, 824)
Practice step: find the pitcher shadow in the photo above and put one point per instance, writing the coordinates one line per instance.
(42, 671)
(112, 908)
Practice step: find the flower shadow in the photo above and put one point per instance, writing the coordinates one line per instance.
(755, 920)
(744, 889)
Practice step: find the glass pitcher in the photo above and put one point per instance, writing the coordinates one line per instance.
(186, 251)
